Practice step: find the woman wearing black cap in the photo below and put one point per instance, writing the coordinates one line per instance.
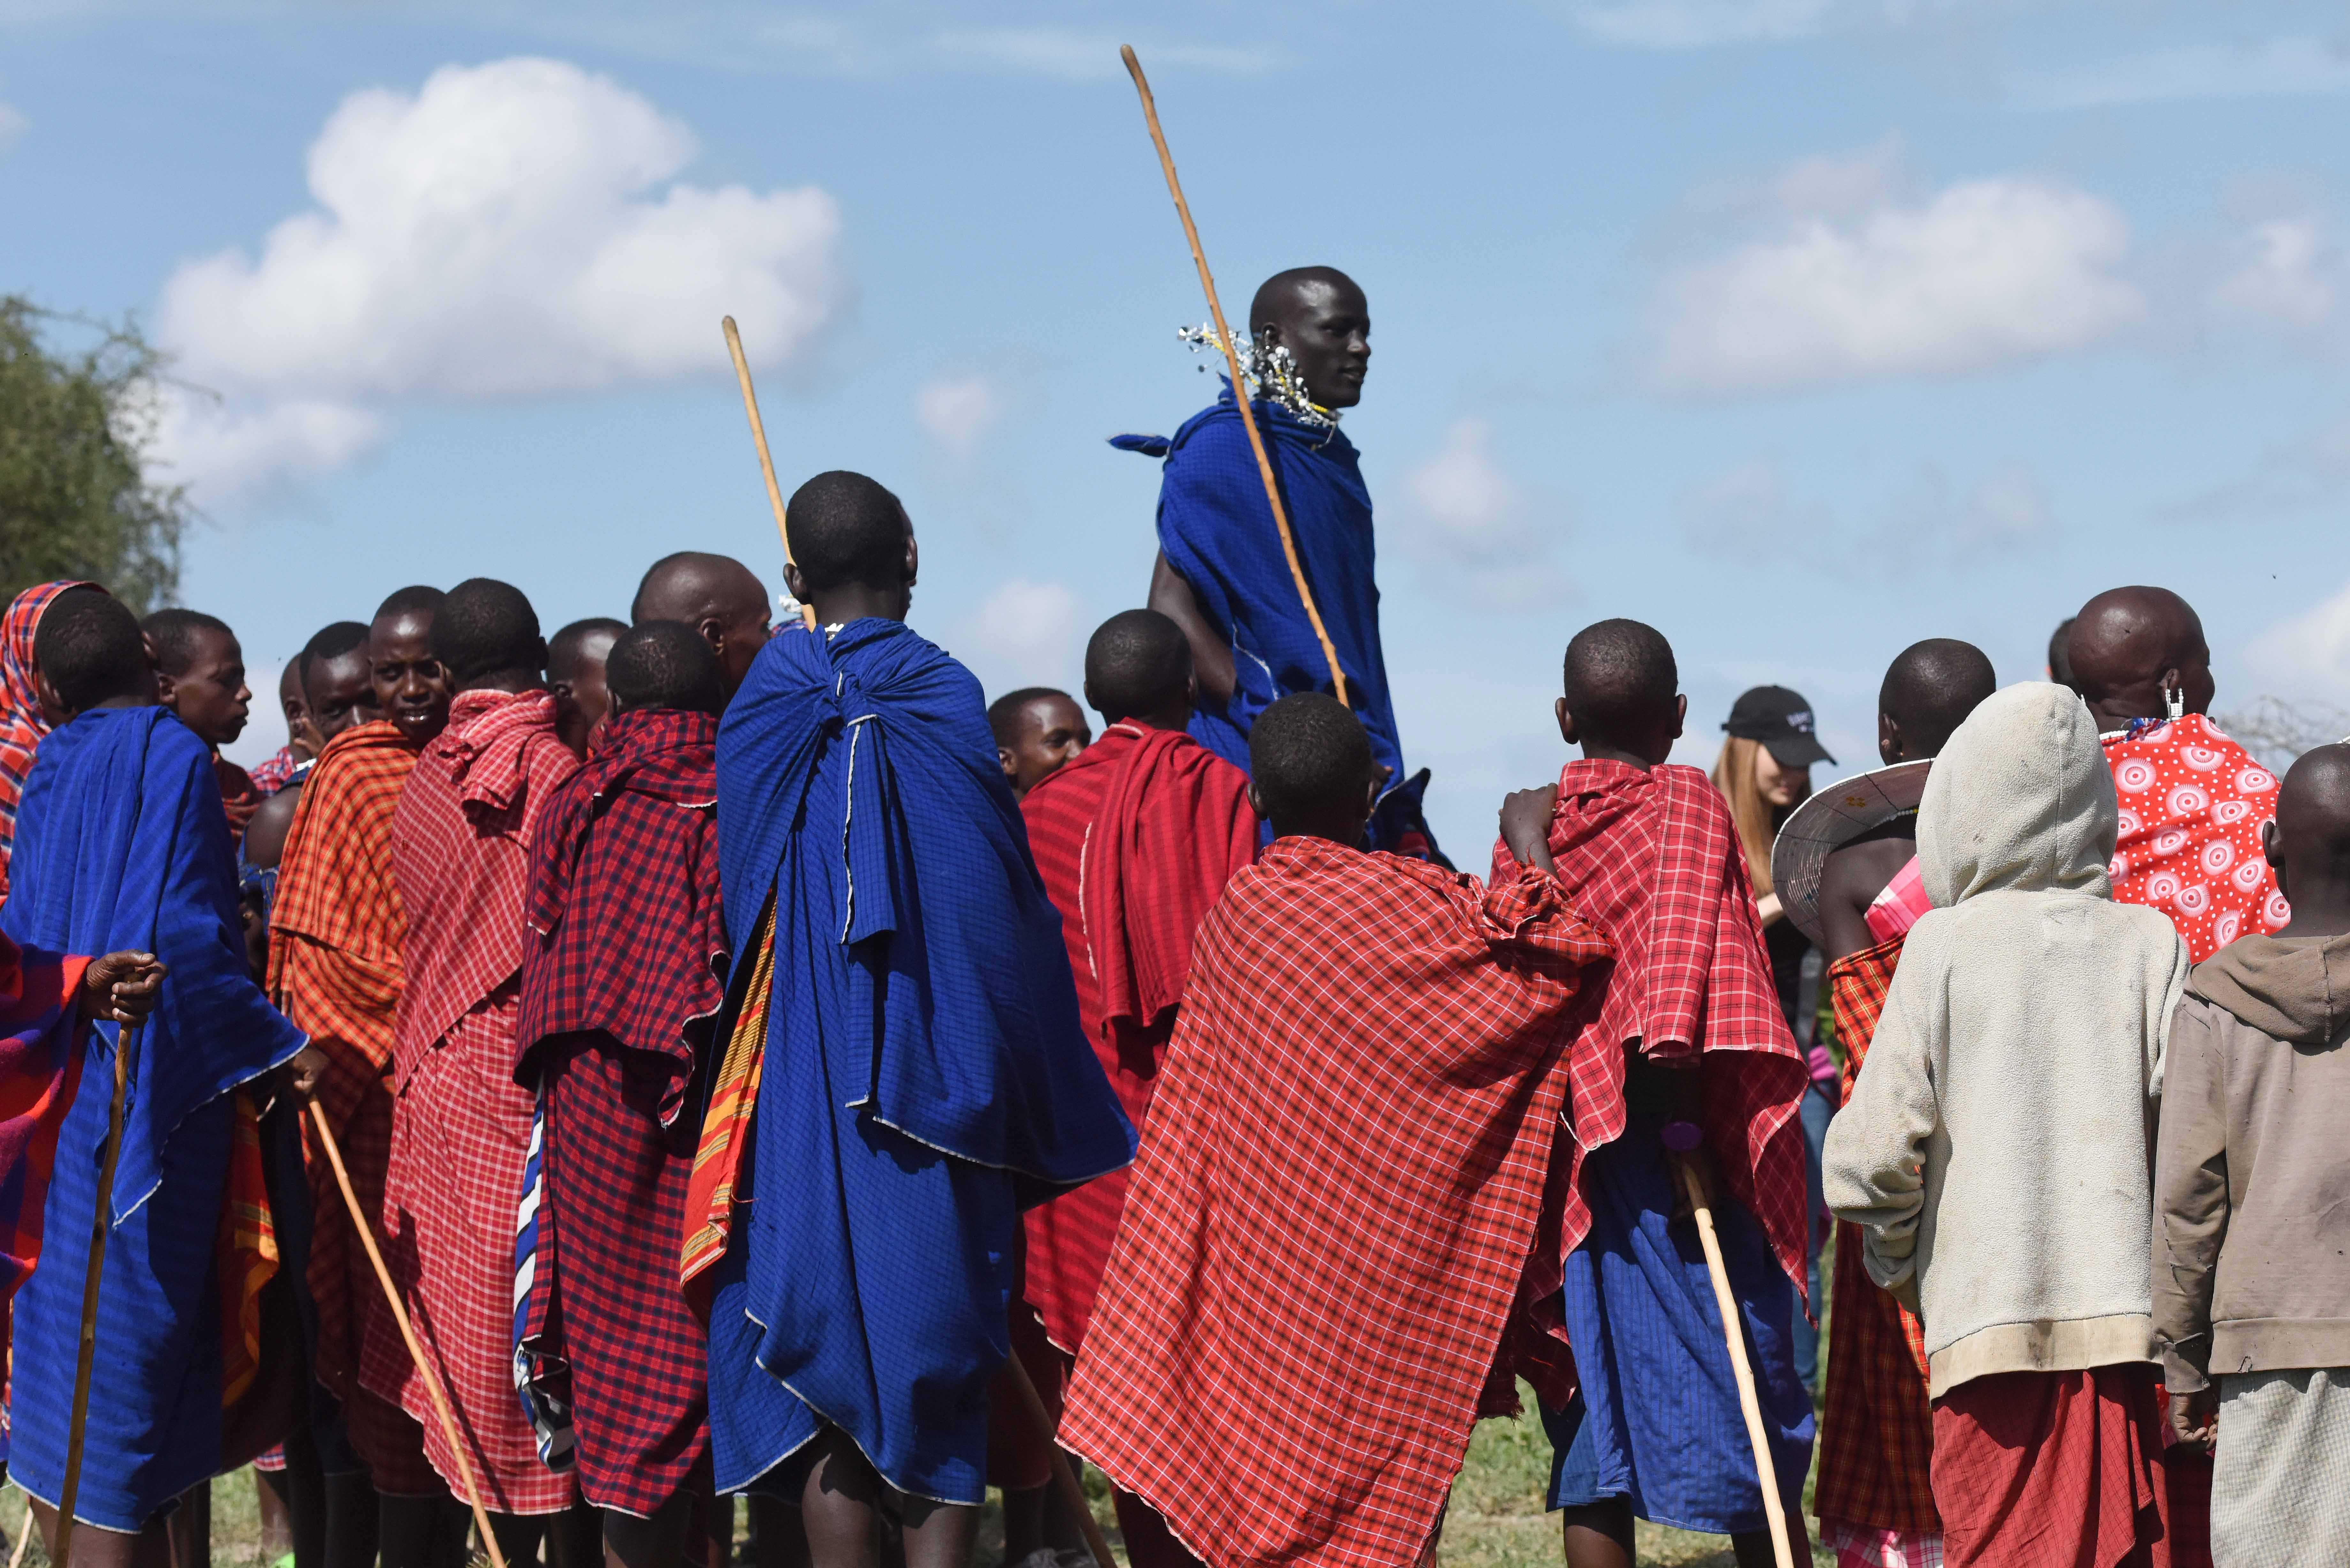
(1764, 772)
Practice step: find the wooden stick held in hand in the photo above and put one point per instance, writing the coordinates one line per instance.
(1065, 1476)
(1734, 1334)
(1240, 386)
(126, 1052)
(440, 1395)
(759, 440)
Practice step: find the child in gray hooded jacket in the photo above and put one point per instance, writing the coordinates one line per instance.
(1996, 1149)
(2252, 1262)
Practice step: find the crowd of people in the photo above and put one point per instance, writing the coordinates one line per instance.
(724, 1060)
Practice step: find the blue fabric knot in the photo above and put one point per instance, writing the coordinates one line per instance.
(1147, 445)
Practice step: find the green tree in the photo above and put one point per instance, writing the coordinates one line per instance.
(76, 429)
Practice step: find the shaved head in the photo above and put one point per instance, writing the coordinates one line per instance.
(1139, 662)
(1928, 691)
(1321, 317)
(2309, 843)
(1620, 678)
(2135, 649)
(2314, 805)
(717, 596)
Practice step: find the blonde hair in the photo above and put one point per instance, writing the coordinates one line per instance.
(1733, 775)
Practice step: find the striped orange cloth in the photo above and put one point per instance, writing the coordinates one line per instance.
(726, 1127)
(1877, 1432)
(247, 1250)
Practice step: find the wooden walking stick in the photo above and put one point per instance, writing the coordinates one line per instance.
(1734, 1334)
(1065, 1477)
(407, 1331)
(126, 1049)
(1233, 363)
(24, 1538)
(759, 440)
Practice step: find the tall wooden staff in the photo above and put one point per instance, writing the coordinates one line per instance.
(432, 1389)
(1750, 1405)
(1233, 363)
(766, 458)
(126, 1048)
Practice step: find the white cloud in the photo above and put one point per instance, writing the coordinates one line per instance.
(955, 411)
(510, 229)
(2272, 67)
(2286, 276)
(1984, 273)
(1479, 528)
(1750, 514)
(224, 454)
(1069, 55)
(13, 124)
(2308, 655)
(1023, 633)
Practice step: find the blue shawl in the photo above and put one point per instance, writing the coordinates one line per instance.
(926, 1071)
(121, 843)
(1217, 532)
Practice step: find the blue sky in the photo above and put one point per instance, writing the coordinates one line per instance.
(1802, 328)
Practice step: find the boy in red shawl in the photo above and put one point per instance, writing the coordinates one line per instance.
(619, 988)
(1135, 837)
(1875, 1497)
(1683, 1055)
(1338, 1196)
(335, 928)
(460, 1125)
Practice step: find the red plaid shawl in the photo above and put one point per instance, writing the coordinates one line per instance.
(1651, 858)
(1876, 1433)
(1135, 839)
(1336, 1200)
(631, 936)
(21, 724)
(336, 928)
(2192, 802)
(460, 845)
(632, 941)
(461, 840)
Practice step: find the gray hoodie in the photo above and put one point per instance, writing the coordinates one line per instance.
(1997, 1148)
(2252, 1260)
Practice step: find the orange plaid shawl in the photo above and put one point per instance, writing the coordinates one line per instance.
(1877, 1435)
(334, 969)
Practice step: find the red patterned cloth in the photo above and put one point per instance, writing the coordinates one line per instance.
(276, 773)
(2057, 1469)
(2192, 802)
(1876, 1428)
(460, 850)
(1335, 1201)
(618, 994)
(1651, 858)
(1135, 838)
(336, 928)
(21, 724)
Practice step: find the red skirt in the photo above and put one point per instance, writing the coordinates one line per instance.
(2065, 1470)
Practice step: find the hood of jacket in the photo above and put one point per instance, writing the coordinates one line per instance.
(2295, 989)
(2020, 800)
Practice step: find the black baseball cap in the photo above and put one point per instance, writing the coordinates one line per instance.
(1782, 721)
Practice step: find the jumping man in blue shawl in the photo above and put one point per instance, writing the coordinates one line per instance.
(121, 841)
(1220, 572)
(925, 1075)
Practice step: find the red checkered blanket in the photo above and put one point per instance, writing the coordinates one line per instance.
(1335, 1201)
